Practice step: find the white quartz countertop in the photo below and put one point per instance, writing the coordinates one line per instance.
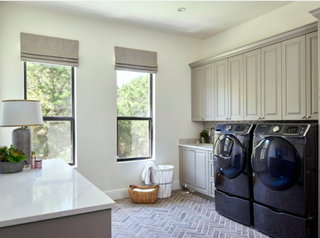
(56, 190)
(204, 146)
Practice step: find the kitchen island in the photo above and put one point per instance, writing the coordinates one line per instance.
(55, 201)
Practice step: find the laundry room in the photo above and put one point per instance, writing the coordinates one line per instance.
(159, 119)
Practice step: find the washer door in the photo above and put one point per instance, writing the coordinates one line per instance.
(230, 156)
(276, 162)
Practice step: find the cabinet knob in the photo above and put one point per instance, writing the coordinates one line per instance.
(229, 118)
(303, 116)
(308, 116)
(259, 118)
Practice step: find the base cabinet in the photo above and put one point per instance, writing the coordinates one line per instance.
(196, 168)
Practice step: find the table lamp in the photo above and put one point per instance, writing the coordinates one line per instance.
(22, 113)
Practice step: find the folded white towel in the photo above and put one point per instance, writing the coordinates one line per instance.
(145, 176)
(143, 190)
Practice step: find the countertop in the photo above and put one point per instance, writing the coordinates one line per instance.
(56, 190)
(204, 146)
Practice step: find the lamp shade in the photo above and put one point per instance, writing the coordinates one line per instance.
(21, 113)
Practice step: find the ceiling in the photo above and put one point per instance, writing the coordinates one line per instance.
(202, 19)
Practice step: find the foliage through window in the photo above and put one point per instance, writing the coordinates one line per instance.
(134, 110)
(53, 85)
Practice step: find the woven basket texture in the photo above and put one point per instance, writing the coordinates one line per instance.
(143, 197)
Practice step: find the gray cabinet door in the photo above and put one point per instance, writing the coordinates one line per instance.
(312, 75)
(208, 84)
(235, 69)
(252, 85)
(221, 90)
(294, 79)
(211, 179)
(186, 167)
(271, 82)
(197, 94)
(201, 174)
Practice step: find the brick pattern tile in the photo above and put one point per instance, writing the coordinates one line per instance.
(183, 215)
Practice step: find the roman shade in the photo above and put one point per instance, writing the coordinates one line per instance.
(135, 60)
(52, 50)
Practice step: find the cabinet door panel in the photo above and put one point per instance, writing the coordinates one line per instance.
(293, 79)
(208, 76)
(235, 65)
(252, 85)
(197, 94)
(187, 165)
(312, 75)
(221, 90)
(201, 175)
(271, 82)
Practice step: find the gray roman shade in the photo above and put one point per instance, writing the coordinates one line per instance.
(52, 50)
(135, 60)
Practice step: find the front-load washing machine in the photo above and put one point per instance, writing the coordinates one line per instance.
(285, 179)
(233, 183)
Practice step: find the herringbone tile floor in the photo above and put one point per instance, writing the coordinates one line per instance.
(182, 215)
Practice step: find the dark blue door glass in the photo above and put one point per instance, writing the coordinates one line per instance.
(276, 162)
(229, 155)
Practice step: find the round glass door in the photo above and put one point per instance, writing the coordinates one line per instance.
(276, 162)
(229, 155)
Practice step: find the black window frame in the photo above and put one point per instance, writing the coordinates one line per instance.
(71, 119)
(150, 119)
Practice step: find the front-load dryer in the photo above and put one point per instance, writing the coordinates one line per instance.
(233, 183)
(285, 179)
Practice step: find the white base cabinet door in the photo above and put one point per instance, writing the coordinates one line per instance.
(187, 167)
(201, 173)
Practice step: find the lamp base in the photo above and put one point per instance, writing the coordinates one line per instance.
(21, 140)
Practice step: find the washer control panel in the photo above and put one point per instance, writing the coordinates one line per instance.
(282, 129)
(234, 128)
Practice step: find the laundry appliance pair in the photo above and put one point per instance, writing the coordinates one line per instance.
(266, 177)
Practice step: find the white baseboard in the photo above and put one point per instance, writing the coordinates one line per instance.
(123, 193)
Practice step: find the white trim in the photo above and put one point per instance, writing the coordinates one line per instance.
(259, 44)
(123, 193)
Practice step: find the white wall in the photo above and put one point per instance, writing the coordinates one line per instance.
(283, 19)
(96, 87)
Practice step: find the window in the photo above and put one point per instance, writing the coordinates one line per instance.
(134, 115)
(53, 85)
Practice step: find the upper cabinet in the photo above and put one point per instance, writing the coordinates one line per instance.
(252, 85)
(235, 86)
(278, 81)
(312, 75)
(271, 82)
(221, 90)
(294, 79)
(203, 93)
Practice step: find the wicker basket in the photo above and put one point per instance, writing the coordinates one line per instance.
(143, 197)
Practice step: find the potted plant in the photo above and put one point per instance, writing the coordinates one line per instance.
(11, 160)
(203, 136)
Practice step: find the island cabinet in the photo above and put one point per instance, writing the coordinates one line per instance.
(194, 172)
(203, 93)
(55, 201)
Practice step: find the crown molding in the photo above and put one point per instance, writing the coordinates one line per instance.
(315, 13)
(259, 44)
